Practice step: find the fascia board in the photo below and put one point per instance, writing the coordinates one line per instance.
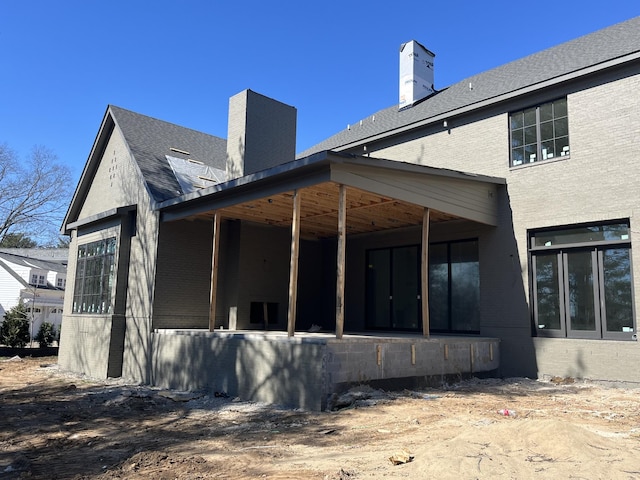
(89, 170)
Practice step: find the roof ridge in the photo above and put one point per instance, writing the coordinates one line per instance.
(115, 108)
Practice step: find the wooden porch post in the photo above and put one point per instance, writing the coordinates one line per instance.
(425, 273)
(342, 240)
(293, 269)
(215, 247)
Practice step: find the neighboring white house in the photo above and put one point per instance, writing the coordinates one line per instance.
(36, 277)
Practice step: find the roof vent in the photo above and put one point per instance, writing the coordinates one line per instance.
(174, 149)
(416, 73)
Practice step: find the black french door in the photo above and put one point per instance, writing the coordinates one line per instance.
(393, 289)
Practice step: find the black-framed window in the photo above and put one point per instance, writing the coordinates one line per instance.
(582, 285)
(539, 133)
(454, 287)
(393, 288)
(95, 275)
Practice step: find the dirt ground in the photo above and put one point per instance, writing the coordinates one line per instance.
(57, 425)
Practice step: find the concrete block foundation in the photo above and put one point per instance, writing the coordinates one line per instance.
(305, 370)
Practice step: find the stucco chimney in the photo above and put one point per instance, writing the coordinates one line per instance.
(416, 73)
(261, 134)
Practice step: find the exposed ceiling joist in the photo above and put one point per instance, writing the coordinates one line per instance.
(366, 211)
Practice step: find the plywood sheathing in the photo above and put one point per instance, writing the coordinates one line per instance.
(366, 211)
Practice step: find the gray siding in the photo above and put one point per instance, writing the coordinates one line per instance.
(467, 199)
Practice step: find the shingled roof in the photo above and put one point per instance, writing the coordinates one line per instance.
(151, 140)
(590, 50)
(59, 266)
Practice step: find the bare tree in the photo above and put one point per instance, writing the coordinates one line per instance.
(34, 194)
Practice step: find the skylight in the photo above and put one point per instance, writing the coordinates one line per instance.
(193, 175)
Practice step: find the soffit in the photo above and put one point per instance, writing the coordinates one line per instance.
(366, 211)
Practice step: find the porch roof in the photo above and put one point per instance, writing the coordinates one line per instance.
(381, 195)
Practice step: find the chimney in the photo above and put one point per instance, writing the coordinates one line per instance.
(261, 134)
(416, 73)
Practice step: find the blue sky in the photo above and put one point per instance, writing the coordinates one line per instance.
(63, 62)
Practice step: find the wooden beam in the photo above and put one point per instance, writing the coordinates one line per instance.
(293, 268)
(342, 240)
(425, 273)
(215, 248)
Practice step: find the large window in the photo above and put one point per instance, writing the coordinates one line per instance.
(539, 133)
(582, 284)
(454, 287)
(393, 288)
(95, 274)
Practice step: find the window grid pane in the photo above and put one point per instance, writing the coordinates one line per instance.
(542, 130)
(582, 283)
(618, 298)
(582, 315)
(94, 277)
(547, 292)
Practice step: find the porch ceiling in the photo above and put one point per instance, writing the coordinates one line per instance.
(366, 211)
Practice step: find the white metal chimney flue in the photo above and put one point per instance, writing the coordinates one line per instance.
(416, 73)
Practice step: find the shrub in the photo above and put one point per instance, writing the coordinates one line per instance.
(14, 330)
(46, 334)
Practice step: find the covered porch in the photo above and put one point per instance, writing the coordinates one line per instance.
(311, 210)
(284, 252)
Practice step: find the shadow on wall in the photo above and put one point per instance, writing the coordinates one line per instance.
(503, 289)
(137, 277)
(254, 369)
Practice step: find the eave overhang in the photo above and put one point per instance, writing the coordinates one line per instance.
(381, 195)
(488, 102)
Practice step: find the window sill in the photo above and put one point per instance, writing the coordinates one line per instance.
(627, 337)
(540, 162)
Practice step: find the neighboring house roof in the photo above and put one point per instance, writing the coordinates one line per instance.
(591, 50)
(49, 265)
(53, 254)
(11, 263)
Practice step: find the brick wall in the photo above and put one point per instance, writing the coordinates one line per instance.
(599, 181)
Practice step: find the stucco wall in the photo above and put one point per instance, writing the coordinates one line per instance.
(90, 344)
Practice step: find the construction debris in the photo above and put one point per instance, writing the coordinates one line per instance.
(403, 456)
